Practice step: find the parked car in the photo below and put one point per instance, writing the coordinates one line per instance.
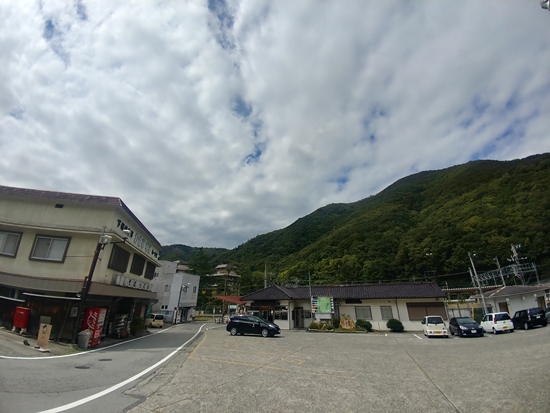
(154, 320)
(497, 323)
(465, 326)
(529, 318)
(434, 326)
(250, 324)
(548, 313)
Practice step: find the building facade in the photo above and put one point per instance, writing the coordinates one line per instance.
(177, 292)
(47, 245)
(297, 307)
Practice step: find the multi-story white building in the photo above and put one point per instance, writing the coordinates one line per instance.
(177, 291)
(47, 245)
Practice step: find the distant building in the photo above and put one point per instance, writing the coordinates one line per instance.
(47, 244)
(226, 279)
(177, 291)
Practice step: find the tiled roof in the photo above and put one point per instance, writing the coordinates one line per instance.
(72, 198)
(361, 291)
(60, 196)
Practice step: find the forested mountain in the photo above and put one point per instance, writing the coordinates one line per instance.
(421, 227)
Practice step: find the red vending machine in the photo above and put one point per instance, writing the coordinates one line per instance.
(93, 321)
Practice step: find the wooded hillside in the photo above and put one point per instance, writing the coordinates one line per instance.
(421, 227)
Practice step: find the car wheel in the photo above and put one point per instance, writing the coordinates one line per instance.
(233, 331)
(526, 326)
(452, 332)
(494, 331)
(265, 333)
(482, 333)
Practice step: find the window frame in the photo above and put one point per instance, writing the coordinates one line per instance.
(138, 264)
(386, 307)
(118, 254)
(365, 307)
(53, 238)
(149, 270)
(19, 236)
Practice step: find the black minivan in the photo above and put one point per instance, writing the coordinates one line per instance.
(529, 318)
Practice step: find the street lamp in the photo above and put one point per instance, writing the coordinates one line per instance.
(103, 240)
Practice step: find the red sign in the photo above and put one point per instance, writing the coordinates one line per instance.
(93, 321)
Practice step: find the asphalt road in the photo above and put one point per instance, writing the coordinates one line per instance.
(43, 384)
(375, 372)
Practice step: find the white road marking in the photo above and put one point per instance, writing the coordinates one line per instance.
(81, 353)
(418, 337)
(119, 385)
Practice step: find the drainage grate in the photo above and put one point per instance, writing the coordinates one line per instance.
(82, 367)
(105, 359)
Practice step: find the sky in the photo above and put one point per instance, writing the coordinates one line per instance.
(219, 121)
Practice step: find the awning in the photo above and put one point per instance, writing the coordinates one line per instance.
(57, 297)
(117, 291)
(235, 299)
(12, 299)
(266, 303)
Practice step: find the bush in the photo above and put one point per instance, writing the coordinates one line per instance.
(327, 326)
(395, 326)
(336, 322)
(314, 326)
(364, 324)
(136, 325)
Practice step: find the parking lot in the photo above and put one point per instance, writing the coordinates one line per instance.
(374, 372)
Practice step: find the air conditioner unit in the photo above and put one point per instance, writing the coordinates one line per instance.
(127, 281)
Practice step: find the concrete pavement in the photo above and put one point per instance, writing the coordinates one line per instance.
(375, 372)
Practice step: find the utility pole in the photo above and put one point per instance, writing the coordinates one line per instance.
(500, 271)
(478, 284)
(87, 285)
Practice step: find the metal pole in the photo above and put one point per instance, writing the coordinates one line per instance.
(87, 285)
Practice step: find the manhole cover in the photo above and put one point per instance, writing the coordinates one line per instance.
(82, 367)
(105, 359)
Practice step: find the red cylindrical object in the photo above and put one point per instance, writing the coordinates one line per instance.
(21, 318)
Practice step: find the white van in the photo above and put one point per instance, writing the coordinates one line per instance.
(154, 320)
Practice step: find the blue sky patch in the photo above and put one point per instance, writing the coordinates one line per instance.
(241, 107)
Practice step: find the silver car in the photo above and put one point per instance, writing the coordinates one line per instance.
(497, 323)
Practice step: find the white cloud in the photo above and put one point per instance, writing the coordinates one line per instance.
(216, 125)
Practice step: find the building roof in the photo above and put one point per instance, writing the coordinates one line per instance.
(235, 299)
(342, 292)
(516, 290)
(73, 198)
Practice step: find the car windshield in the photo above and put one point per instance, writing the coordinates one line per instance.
(464, 320)
(501, 317)
(435, 320)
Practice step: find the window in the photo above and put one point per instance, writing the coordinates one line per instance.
(49, 248)
(281, 313)
(138, 264)
(167, 288)
(363, 313)
(194, 289)
(119, 259)
(150, 270)
(387, 313)
(9, 241)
